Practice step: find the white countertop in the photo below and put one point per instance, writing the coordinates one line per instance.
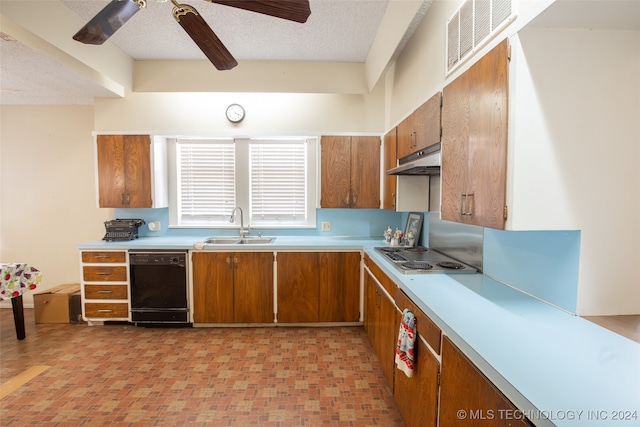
(559, 369)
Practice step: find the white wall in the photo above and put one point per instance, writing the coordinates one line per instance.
(576, 150)
(48, 202)
(266, 113)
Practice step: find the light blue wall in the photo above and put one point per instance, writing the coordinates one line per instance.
(344, 222)
(541, 263)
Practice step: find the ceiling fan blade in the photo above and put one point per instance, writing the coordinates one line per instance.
(108, 21)
(203, 36)
(292, 10)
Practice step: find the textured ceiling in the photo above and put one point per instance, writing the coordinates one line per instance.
(336, 31)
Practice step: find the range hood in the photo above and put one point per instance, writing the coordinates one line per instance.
(422, 162)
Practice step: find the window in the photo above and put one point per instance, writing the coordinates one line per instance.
(272, 180)
(278, 182)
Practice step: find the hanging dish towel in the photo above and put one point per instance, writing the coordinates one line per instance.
(406, 338)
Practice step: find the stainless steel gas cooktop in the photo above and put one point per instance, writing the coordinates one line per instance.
(420, 260)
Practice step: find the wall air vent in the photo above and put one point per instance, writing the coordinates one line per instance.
(472, 25)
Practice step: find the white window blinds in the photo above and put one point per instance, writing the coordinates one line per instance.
(206, 181)
(278, 182)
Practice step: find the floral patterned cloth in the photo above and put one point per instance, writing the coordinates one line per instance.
(17, 279)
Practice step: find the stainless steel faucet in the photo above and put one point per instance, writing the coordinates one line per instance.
(243, 232)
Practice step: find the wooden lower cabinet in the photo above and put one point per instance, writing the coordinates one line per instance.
(232, 287)
(417, 397)
(464, 388)
(318, 287)
(105, 285)
(381, 325)
(423, 386)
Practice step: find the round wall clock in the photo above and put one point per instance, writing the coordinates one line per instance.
(235, 113)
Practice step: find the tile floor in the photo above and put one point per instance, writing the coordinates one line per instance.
(121, 375)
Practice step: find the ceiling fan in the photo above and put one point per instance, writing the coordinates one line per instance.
(118, 12)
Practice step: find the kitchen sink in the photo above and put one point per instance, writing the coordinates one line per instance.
(238, 240)
(256, 240)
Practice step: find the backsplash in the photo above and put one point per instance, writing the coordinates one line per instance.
(542, 263)
(344, 222)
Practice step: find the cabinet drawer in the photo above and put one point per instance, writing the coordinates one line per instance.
(425, 326)
(388, 284)
(106, 310)
(106, 257)
(104, 274)
(105, 292)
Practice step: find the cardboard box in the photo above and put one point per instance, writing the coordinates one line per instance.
(55, 305)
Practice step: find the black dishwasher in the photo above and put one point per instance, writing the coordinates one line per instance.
(158, 288)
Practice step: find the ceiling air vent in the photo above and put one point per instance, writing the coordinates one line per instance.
(472, 25)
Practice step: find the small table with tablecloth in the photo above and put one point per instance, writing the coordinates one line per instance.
(15, 280)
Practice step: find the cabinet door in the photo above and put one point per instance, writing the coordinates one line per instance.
(335, 189)
(421, 128)
(124, 171)
(421, 387)
(298, 283)
(406, 137)
(137, 170)
(386, 335)
(365, 172)
(212, 287)
(426, 123)
(390, 161)
(455, 138)
(370, 308)
(339, 287)
(463, 387)
(474, 142)
(253, 287)
(486, 183)
(111, 176)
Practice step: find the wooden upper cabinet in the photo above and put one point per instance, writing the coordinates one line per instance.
(124, 171)
(421, 128)
(390, 151)
(350, 172)
(474, 142)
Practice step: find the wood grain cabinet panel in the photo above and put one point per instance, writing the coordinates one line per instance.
(464, 388)
(380, 325)
(318, 287)
(421, 128)
(106, 310)
(232, 287)
(104, 273)
(428, 330)
(350, 172)
(422, 387)
(124, 171)
(474, 142)
(104, 257)
(106, 292)
(390, 152)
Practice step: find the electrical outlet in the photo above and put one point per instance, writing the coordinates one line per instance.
(326, 226)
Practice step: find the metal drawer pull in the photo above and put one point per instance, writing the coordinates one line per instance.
(102, 256)
(103, 273)
(105, 292)
(105, 311)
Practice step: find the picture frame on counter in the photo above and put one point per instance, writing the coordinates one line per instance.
(414, 225)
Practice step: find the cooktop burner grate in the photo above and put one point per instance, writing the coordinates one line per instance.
(450, 264)
(418, 265)
(419, 249)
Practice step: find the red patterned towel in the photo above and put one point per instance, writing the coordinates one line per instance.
(406, 338)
